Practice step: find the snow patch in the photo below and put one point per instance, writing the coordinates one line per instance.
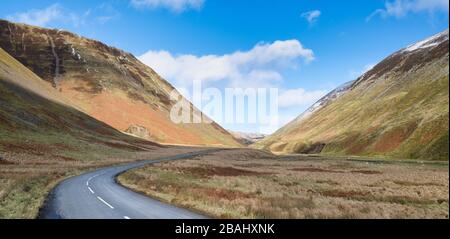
(77, 55)
(429, 42)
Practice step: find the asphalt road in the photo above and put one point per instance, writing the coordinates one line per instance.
(96, 195)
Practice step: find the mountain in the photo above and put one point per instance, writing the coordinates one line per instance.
(106, 83)
(247, 138)
(398, 109)
(36, 118)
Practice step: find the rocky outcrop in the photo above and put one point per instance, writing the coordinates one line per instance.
(138, 131)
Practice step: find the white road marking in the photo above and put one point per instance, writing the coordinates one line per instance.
(126, 217)
(103, 201)
(90, 189)
(87, 182)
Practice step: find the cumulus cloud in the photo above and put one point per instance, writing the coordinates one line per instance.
(400, 8)
(259, 66)
(299, 97)
(311, 16)
(174, 5)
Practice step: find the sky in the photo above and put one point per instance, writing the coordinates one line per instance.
(304, 48)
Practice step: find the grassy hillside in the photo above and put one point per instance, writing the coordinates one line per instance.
(399, 109)
(108, 84)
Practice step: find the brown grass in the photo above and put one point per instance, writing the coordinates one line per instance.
(251, 184)
(316, 170)
(394, 138)
(209, 171)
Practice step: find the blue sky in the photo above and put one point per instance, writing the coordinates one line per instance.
(304, 48)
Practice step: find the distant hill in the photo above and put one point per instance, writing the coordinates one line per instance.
(398, 109)
(106, 83)
(247, 138)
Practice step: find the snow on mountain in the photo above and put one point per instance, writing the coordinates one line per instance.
(429, 42)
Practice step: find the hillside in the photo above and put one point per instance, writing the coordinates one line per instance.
(399, 109)
(106, 83)
(35, 118)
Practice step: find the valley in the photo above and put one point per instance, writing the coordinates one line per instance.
(73, 109)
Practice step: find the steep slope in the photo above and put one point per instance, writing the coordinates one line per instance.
(36, 118)
(399, 109)
(106, 83)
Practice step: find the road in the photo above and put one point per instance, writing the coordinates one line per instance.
(96, 195)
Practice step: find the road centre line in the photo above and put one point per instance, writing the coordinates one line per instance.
(106, 203)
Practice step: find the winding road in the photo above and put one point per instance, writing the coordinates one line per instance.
(96, 195)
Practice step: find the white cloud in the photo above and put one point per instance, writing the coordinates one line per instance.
(38, 17)
(174, 5)
(259, 66)
(57, 14)
(299, 97)
(400, 8)
(311, 16)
